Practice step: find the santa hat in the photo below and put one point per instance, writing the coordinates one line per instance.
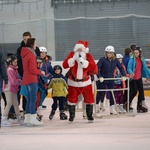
(83, 45)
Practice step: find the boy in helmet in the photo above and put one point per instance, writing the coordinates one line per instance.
(106, 66)
(46, 66)
(59, 91)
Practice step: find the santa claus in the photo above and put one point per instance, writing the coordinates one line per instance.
(81, 64)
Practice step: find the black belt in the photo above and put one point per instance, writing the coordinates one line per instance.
(78, 80)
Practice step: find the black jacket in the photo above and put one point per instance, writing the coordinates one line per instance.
(3, 72)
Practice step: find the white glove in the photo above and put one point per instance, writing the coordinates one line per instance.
(76, 56)
(101, 79)
(81, 60)
(83, 55)
(123, 78)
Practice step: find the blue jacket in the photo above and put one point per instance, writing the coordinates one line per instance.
(131, 67)
(125, 60)
(106, 68)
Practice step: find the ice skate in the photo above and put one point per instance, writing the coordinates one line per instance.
(39, 117)
(122, 109)
(89, 112)
(71, 112)
(112, 110)
(63, 116)
(34, 121)
(144, 105)
(5, 122)
(20, 120)
(141, 109)
(51, 116)
(102, 108)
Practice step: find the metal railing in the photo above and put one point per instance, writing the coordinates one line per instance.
(111, 90)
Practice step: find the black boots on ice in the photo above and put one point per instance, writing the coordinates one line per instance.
(89, 112)
(71, 112)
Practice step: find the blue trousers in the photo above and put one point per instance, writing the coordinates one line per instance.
(100, 94)
(58, 101)
(31, 98)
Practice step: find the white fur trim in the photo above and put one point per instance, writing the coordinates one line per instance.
(71, 103)
(79, 84)
(79, 71)
(86, 50)
(71, 62)
(85, 64)
(77, 46)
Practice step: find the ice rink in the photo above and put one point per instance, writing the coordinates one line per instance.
(119, 132)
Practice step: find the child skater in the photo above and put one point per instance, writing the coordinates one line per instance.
(46, 65)
(106, 66)
(118, 85)
(11, 91)
(59, 92)
(137, 68)
(42, 90)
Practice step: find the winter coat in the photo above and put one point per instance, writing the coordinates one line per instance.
(47, 67)
(106, 68)
(18, 54)
(13, 81)
(145, 72)
(125, 60)
(3, 72)
(58, 85)
(29, 67)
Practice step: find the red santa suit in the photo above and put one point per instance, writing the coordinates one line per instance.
(80, 63)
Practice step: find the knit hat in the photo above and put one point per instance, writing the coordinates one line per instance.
(83, 45)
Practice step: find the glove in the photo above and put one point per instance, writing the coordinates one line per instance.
(123, 78)
(81, 60)
(101, 79)
(83, 55)
(76, 56)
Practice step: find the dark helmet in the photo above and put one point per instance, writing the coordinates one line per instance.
(57, 67)
(39, 59)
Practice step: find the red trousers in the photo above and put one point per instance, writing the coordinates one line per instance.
(87, 92)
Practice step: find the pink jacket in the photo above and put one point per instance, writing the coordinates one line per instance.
(13, 80)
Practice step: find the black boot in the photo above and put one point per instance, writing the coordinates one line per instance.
(63, 116)
(89, 112)
(71, 112)
(141, 109)
(52, 114)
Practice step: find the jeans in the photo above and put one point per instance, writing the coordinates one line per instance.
(31, 98)
(61, 101)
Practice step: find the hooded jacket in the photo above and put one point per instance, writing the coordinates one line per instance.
(30, 70)
(18, 54)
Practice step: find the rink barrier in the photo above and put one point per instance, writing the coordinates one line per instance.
(111, 90)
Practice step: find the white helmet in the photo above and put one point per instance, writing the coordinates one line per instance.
(43, 49)
(119, 56)
(109, 49)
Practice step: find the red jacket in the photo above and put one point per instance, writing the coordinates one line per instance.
(30, 70)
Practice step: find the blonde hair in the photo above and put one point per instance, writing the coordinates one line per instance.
(113, 57)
